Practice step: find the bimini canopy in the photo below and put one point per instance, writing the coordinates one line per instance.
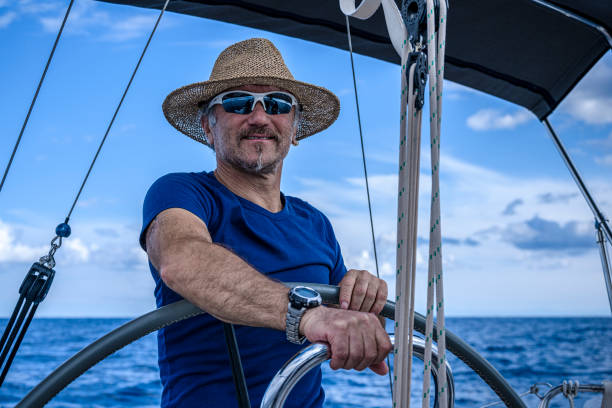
(517, 50)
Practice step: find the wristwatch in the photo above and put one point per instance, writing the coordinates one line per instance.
(301, 298)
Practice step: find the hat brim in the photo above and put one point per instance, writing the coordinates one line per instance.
(320, 107)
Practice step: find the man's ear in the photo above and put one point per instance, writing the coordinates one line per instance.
(296, 125)
(206, 128)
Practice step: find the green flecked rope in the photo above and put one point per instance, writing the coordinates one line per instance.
(435, 61)
(410, 144)
(406, 233)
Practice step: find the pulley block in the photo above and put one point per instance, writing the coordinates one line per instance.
(419, 58)
(414, 14)
(36, 283)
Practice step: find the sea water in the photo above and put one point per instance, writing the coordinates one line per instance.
(524, 350)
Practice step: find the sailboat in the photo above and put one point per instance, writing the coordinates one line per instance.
(533, 78)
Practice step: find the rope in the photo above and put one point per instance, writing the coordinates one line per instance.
(435, 63)
(406, 232)
(365, 171)
(407, 43)
(42, 78)
(570, 390)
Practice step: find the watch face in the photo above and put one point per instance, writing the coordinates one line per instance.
(306, 292)
(301, 296)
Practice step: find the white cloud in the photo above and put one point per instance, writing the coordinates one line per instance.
(482, 247)
(38, 7)
(13, 249)
(455, 88)
(101, 263)
(491, 119)
(604, 160)
(25, 7)
(591, 100)
(107, 243)
(7, 18)
(87, 19)
(90, 202)
(51, 24)
(129, 28)
(96, 201)
(455, 92)
(79, 249)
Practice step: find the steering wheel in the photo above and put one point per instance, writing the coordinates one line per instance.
(175, 312)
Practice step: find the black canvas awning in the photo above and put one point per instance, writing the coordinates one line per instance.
(516, 50)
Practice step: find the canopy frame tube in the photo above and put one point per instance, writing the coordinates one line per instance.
(577, 17)
(599, 217)
(605, 261)
(601, 222)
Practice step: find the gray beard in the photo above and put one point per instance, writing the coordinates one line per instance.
(257, 168)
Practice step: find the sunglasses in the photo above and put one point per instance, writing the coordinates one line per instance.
(243, 102)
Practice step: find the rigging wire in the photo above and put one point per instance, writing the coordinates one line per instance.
(42, 78)
(38, 280)
(230, 337)
(110, 125)
(365, 170)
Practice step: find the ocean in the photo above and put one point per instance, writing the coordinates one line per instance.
(524, 350)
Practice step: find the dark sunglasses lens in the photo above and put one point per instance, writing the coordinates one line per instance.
(277, 103)
(238, 103)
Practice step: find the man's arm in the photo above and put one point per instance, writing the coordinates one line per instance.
(221, 283)
(211, 276)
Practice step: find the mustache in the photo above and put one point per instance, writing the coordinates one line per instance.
(261, 130)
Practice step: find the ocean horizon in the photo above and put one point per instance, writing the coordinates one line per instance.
(525, 350)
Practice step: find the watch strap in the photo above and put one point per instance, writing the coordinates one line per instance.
(292, 329)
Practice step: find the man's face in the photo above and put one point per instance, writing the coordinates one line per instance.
(257, 142)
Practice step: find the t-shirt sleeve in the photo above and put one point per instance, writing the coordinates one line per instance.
(175, 190)
(339, 269)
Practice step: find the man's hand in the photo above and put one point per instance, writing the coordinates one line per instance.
(356, 339)
(360, 290)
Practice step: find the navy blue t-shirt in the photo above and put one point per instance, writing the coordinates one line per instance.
(296, 244)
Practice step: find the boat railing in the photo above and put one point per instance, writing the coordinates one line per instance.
(315, 354)
(570, 389)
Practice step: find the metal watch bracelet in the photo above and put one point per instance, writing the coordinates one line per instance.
(292, 329)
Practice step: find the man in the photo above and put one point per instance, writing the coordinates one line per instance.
(223, 240)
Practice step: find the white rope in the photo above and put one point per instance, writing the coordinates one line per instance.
(393, 18)
(570, 390)
(406, 235)
(408, 192)
(435, 63)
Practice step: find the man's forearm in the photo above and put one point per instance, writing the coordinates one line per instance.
(221, 283)
(211, 276)
(224, 285)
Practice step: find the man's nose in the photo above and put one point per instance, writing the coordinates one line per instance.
(258, 115)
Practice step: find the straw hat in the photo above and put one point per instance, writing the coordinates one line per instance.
(258, 62)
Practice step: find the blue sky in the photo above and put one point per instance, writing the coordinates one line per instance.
(519, 238)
